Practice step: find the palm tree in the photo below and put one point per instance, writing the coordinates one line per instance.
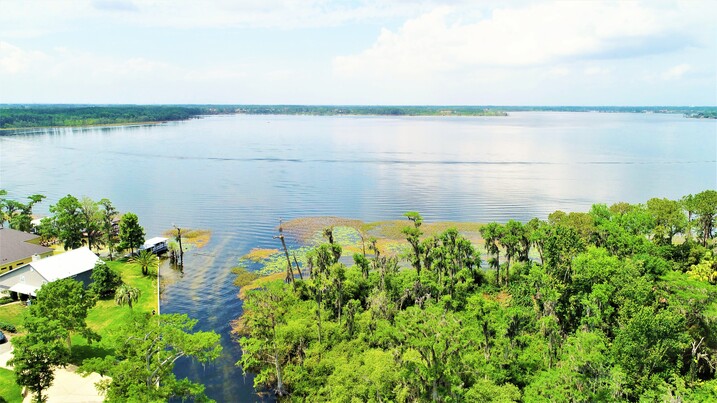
(126, 294)
(146, 260)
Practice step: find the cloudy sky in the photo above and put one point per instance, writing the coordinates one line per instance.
(359, 52)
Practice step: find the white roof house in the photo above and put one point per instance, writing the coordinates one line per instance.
(29, 278)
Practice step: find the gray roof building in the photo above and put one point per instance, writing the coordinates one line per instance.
(18, 248)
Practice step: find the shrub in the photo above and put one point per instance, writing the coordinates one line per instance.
(105, 280)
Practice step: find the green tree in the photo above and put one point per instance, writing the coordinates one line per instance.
(431, 346)
(492, 233)
(3, 203)
(127, 295)
(582, 374)
(18, 214)
(47, 230)
(705, 205)
(68, 221)
(413, 235)
(131, 234)
(649, 347)
(265, 352)
(705, 270)
(147, 260)
(514, 238)
(92, 221)
(105, 280)
(38, 353)
(108, 215)
(66, 302)
(688, 204)
(669, 219)
(146, 350)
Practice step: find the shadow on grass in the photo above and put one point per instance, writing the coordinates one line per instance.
(83, 352)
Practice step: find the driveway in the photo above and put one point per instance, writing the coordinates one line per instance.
(5, 352)
(68, 386)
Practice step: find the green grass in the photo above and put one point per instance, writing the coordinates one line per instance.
(10, 391)
(12, 313)
(107, 315)
(102, 318)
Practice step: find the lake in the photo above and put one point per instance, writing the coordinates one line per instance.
(238, 175)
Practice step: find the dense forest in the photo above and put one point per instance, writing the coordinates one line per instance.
(59, 116)
(28, 116)
(615, 304)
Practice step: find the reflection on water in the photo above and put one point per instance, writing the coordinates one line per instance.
(237, 175)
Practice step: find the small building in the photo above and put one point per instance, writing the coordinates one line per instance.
(17, 248)
(156, 245)
(75, 264)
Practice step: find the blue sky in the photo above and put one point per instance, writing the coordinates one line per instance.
(359, 52)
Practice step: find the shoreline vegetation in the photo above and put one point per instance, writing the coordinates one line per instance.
(35, 116)
(617, 303)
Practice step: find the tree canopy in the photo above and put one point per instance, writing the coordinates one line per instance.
(146, 350)
(614, 304)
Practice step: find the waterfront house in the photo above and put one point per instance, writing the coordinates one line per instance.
(17, 248)
(26, 280)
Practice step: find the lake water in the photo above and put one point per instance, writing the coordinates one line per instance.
(238, 175)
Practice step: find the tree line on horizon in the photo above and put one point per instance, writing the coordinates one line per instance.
(36, 116)
(615, 304)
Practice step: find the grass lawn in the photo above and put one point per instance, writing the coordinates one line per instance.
(9, 390)
(12, 313)
(107, 315)
(103, 318)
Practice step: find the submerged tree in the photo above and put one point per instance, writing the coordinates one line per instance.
(265, 351)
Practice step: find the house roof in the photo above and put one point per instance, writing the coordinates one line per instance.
(68, 264)
(14, 246)
(22, 288)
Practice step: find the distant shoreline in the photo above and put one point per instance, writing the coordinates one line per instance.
(27, 117)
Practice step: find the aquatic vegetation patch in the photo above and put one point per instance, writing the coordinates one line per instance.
(354, 236)
(275, 262)
(259, 254)
(197, 238)
(305, 228)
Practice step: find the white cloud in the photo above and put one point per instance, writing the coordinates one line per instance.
(14, 60)
(448, 39)
(676, 72)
